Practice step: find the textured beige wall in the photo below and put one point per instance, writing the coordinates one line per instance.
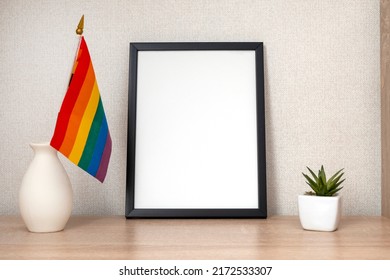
(322, 86)
(385, 104)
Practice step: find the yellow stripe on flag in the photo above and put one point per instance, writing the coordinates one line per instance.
(85, 126)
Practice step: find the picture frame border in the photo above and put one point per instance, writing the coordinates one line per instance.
(130, 210)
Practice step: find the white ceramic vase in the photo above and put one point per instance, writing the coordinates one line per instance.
(46, 196)
(320, 213)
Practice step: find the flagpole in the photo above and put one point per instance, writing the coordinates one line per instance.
(79, 31)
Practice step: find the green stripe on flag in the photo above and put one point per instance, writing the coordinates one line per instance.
(92, 137)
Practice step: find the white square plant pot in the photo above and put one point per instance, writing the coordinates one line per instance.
(320, 213)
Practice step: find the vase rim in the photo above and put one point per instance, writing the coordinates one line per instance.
(44, 143)
(40, 144)
(321, 197)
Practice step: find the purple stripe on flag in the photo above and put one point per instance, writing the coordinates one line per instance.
(102, 171)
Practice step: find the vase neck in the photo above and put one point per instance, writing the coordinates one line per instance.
(43, 148)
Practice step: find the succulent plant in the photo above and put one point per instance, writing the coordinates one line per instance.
(321, 186)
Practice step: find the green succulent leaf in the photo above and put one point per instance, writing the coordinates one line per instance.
(323, 176)
(332, 183)
(311, 182)
(338, 178)
(334, 191)
(334, 176)
(313, 174)
(339, 183)
(313, 187)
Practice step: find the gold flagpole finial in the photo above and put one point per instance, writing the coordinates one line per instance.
(80, 27)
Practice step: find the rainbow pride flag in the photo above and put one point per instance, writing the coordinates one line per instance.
(81, 133)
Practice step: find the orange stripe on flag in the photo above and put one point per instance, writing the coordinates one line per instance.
(78, 112)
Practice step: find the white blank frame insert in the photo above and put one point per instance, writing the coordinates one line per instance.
(196, 135)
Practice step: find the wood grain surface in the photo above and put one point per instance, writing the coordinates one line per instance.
(115, 237)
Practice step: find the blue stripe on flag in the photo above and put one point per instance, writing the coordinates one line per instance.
(99, 148)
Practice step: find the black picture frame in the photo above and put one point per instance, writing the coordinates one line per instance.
(258, 212)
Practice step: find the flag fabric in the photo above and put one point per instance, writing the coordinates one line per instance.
(81, 133)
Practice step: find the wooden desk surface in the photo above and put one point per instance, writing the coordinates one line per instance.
(114, 237)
